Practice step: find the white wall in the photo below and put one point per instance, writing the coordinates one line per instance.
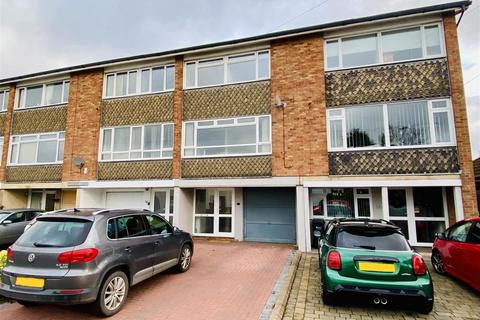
(238, 219)
(184, 215)
(377, 203)
(91, 198)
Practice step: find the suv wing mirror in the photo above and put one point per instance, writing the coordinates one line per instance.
(440, 236)
(5, 222)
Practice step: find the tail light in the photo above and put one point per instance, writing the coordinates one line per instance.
(418, 265)
(77, 256)
(334, 261)
(10, 254)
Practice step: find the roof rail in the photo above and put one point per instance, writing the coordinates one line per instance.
(101, 211)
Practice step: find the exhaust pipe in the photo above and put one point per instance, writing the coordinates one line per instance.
(384, 301)
(376, 300)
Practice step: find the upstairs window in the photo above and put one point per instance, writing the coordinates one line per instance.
(393, 125)
(152, 141)
(227, 70)
(43, 94)
(3, 100)
(31, 149)
(404, 44)
(140, 81)
(227, 137)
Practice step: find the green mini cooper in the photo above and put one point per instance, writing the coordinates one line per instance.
(371, 260)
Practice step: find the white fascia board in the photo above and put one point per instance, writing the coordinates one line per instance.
(126, 184)
(454, 182)
(240, 182)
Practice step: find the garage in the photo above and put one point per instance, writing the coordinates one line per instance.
(125, 200)
(269, 215)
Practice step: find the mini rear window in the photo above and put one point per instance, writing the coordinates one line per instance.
(56, 233)
(372, 239)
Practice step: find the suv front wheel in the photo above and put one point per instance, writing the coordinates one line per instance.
(113, 294)
(185, 259)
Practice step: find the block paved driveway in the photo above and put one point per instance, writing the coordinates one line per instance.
(453, 300)
(226, 281)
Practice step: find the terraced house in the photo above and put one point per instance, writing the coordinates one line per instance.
(251, 139)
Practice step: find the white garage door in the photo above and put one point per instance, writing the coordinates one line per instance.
(125, 200)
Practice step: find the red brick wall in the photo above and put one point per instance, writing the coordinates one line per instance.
(7, 130)
(299, 140)
(460, 114)
(177, 119)
(83, 125)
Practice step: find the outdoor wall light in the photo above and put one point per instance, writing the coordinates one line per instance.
(279, 103)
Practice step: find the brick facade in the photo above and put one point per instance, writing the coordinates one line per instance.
(299, 141)
(177, 119)
(83, 125)
(6, 131)
(460, 115)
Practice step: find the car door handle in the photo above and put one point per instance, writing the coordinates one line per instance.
(128, 249)
(157, 242)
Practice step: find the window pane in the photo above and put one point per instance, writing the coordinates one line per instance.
(160, 202)
(403, 224)
(47, 151)
(332, 54)
(2, 101)
(54, 93)
(21, 98)
(204, 199)
(318, 197)
(340, 203)
(442, 128)
(363, 207)
(190, 75)
(34, 96)
(432, 39)
(170, 78)
(409, 124)
(189, 134)
(61, 147)
(121, 85)
(210, 73)
(107, 140)
(132, 82)
(365, 126)
(152, 154)
(224, 224)
(121, 142)
(158, 79)
(226, 136)
(66, 91)
(167, 140)
(152, 137)
(428, 202)
(263, 65)
(397, 203)
(27, 152)
(241, 68)
(225, 202)
(426, 230)
(171, 200)
(203, 224)
(359, 51)
(157, 225)
(264, 129)
(136, 138)
(5, 105)
(145, 81)
(110, 80)
(13, 154)
(336, 138)
(402, 45)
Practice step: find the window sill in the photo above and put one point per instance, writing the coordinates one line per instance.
(133, 160)
(34, 164)
(40, 107)
(225, 84)
(227, 156)
(138, 95)
(393, 148)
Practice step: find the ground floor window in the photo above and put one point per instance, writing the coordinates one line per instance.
(42, 199)
(213, 212)
(163, 203)
(341, 202)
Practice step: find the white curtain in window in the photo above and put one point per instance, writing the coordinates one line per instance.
(409, 124)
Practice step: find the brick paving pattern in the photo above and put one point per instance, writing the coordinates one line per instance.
(452, 299)
(227, 281)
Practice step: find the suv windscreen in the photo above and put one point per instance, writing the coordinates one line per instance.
(56, 233)
(372, 239)
(3, 214)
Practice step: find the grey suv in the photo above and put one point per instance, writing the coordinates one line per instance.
(85, 256)
(12, 223)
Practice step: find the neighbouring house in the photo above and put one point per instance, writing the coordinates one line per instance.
(253, 138)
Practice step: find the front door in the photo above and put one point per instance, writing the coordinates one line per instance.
(163, 203)
(213, 212)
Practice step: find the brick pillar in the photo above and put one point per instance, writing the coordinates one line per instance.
(460, 115)
(299, 131)
(83, 125)
(177, 119)
(7, 130)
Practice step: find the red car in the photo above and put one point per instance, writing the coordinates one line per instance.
(457, 252)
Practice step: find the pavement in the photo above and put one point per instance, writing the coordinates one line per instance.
(453, 300)
(227, 281)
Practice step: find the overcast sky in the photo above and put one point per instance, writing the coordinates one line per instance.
(38, 35)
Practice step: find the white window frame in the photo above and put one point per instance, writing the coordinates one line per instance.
(44, 95)
(4, 100)
(43, 201)
(130, 150)
(216, 213)
(1, 149)
(431, 129)
(37, 141)
(168, 193)
(380, 47)
(138, 88)
(355, 203)
(235, 124)
(224, 61)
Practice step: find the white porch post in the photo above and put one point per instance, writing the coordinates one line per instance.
(385, 206)
(458, 201)
(176, 206)
(300, 219)
(306, 208)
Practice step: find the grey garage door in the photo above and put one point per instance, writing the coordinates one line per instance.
(270, 215)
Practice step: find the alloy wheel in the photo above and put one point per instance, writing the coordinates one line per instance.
(114, 293)
(186, 257)
(437, 262)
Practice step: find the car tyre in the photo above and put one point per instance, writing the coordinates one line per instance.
(112, 295)
(327, 297)
(437, 262)
(27, 304)
(426, 308)
(185, 260)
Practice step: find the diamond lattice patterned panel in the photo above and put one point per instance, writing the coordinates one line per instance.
(135, 170)
(2, 123)
(47, 119)
(227, 167)
(47, 173)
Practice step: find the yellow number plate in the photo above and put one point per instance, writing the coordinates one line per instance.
(376, 266)
(30, 282)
